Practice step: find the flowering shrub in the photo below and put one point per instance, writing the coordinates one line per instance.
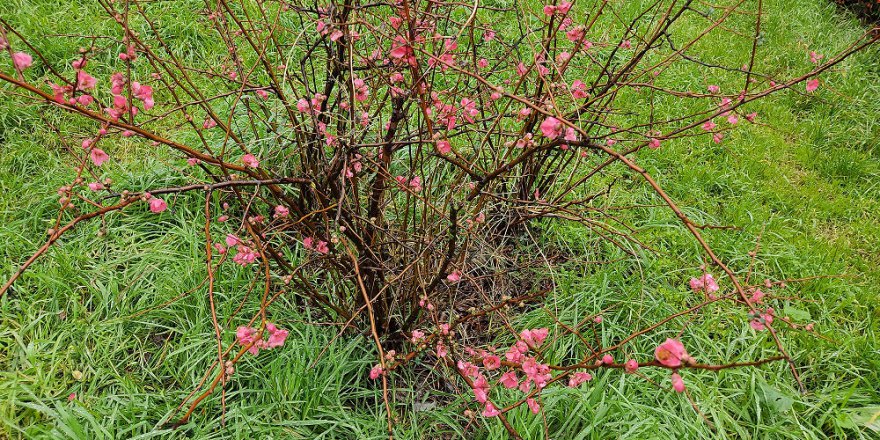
(403, 150)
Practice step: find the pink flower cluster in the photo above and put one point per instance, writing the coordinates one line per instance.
(415, 184)
(244, 254)
(760, 320)
(313, 244)
(704, 283)
(22, 60)
(247, 337)
(534, 373)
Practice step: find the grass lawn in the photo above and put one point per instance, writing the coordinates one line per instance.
(89, 319)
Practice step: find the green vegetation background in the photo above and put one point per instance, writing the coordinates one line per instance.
(808, 177)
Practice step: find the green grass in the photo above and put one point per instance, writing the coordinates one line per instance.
(809, 180)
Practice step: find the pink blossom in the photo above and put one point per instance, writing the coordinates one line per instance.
(598, 319)
(705, 282)
(376, 371)
(454, 277)
(671, 353)
(710, 284)
(277, 336)
(400, 48)
(534, 338)
(129, 54)
(751, 116)
(526, 386)
(469, 109)
(322, 247)
(417, 336)
(308, 243)
(281, 211)
(209, 123)
(95, 186)
(250, 160)
(732, 119)
(757, 296)
(575, 34)
(85, 100)
(578, 378)
(513, 354)
(812, 85)
(120, 102)
(677, 383)
(631, 366)
(232, 240)
(490, 410)
(533, 405)
(247, 336)
(244, 256)
(815, 57)
(536, 372)
(492, 362)
(761, 320)
(509, 380)
(552, 127)
(22, 60)
(579, 89)
(607, 359)
(654, 143)
(709, 126)
(262, 94)
(84, 80)
(481, 394)
(303, 105)
(361, 91)
(444, 147)
(157, 205)
(98, 156)
(563, 7)
(414, 184)
(144, 93)
(441, 349)
(714, 89)
(468, 369)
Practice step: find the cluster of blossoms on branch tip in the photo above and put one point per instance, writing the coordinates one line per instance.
(248, 337)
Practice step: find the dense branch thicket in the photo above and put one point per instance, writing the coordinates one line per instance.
(386, 162)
